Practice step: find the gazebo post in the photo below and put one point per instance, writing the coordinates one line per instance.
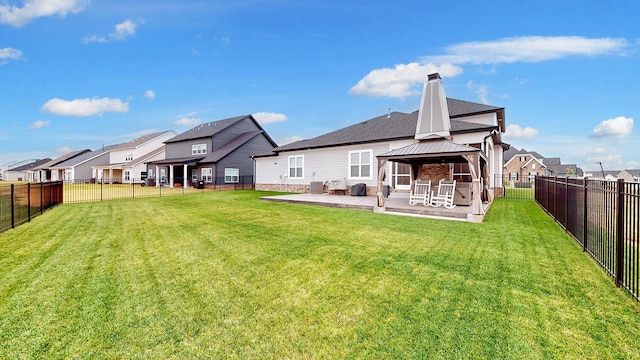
(381, 171)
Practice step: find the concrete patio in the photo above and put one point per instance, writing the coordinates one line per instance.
(396, 204)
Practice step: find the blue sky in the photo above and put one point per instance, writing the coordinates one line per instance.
(80, 74)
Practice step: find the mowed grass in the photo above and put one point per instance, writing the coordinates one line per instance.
(225, 275)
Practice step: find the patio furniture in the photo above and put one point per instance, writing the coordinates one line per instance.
(420, 193)
(446, 190)
(338, 185)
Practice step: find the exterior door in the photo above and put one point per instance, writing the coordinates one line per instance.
(401, 176)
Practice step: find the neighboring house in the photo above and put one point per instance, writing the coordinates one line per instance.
(217, 152)
(126, 162)
(25, 172)
(12, 165)
(46, 171)
(439, 141)
(523, 165)
(119, 163)
(629, 175)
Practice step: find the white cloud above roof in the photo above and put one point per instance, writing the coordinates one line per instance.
(269, 117)
(187, 121)
(527, 49)
(401, 81)
(33, 9)
(84, 107)
(515, 131)
(613, 128)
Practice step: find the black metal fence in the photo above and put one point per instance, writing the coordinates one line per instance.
(21, 202)
(604, 218)
(91, 190)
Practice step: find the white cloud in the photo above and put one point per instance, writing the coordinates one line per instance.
(268, 118)
(32, 9)
(527, 49)
(121, 31)
(515, 131)
(9, 54)
(401, 81)
(609, 161)
(289, 140)
(150, 94)
(480, 90)
(187, 121)
(64, 150)
(84, 107)
(124, 30)
(613, 128)
(39, 124)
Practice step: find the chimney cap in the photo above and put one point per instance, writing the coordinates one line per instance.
(434, 76)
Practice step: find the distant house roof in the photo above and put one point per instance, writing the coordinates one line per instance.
(208, 129)
(62, 158)
(31, 166)
(511, 152)
(395, 126)
(139, 141)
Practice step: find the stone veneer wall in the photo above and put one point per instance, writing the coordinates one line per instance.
(297, 188)
(434, 172)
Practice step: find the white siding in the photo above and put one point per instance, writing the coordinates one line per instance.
(321, 164)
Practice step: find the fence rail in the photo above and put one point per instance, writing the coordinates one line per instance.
(19, 203)
(603, 217)
(92, 190)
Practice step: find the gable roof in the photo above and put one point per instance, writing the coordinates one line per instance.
(31, 166)
(532, 160)
(62, 158)
(209, 129)
(230, 147)
(394, 126)
(139, 141)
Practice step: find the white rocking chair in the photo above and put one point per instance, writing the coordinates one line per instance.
(446, 190)
(420, 193)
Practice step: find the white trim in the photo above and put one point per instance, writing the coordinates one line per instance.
(295, 167)
(360, 164)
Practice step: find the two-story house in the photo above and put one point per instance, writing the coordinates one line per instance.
(217, 152)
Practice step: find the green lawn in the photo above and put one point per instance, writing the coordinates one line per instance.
(224, 275)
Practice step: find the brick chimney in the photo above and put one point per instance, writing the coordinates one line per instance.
(433, 117)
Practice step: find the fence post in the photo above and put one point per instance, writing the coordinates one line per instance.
(585, 227)
(13, 205)
(29, 202)
(620, 234)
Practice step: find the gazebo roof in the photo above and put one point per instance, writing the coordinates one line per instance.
(431, 151)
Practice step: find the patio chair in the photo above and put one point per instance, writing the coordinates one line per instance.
(420, 193)
(446, 190)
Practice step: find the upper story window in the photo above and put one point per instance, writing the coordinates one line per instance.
(360, 164)
(523, 158)
(296, 167)
(128, 157)
(198, 149)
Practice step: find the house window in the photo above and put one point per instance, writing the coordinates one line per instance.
(198, 149)
(296, 167)
(532, 175)
(523, 158)
(231, 175)
(207, 174)
(128, 157)
(127, 175)
(360, 164)
(533, 166)
(513, 176)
